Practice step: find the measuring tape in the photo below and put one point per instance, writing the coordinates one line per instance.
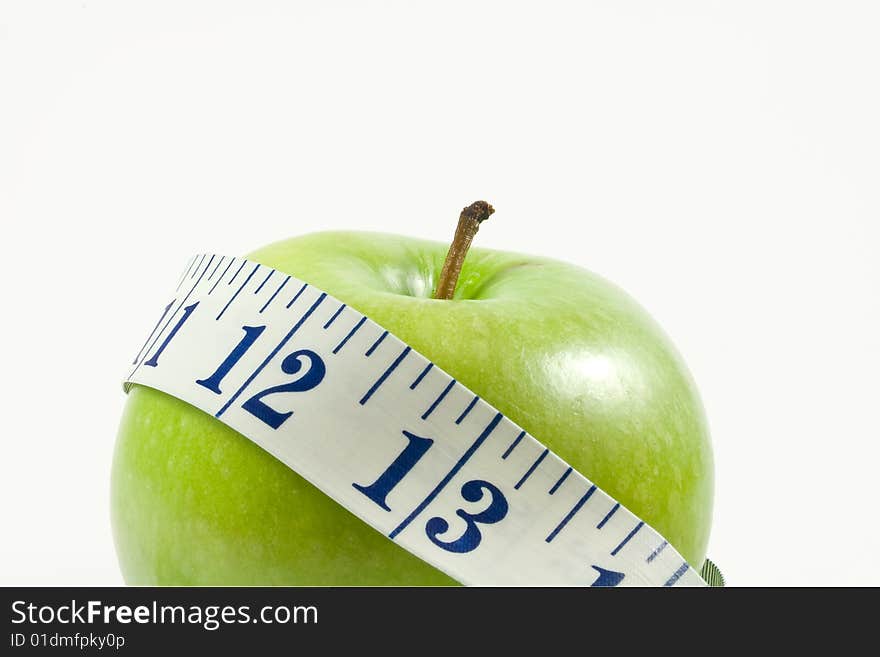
(390, 436)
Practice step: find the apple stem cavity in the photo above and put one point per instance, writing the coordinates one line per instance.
(468, 224)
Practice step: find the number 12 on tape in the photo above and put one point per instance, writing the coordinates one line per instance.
(390, 436)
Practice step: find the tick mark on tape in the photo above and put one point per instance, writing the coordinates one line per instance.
(221, 276)
(421, 376)
(513, 445)
(627, 539)
(201, 260)
(438, 400)
(198, 266)
(449, 475)
(568, 516)
(220, 262)
(559, 482)
(376, 344)
(186, 272)
(533, 467)
(237, 292)
(656, 552)
(677, 575)
(385, 375)
(350, 333)
(272, 355)
(297, 295)
(266, 280)
(608, 516)
(335, 315)
(274, 294)
(238, 271)
(464, 413)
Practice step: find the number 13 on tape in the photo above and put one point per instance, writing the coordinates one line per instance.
(390, 436)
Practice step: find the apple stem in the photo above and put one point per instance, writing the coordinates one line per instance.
(468, 224)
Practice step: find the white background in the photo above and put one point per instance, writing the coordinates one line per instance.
(718, 160)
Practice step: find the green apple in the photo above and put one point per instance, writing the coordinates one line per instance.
(562, 352)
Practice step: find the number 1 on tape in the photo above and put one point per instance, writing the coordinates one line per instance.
(390, 436)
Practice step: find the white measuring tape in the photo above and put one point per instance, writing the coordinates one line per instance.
(391, 437)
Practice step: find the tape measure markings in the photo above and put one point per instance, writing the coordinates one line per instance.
(217, 266)
(629, 536)
(385, 375)
(193, 272)
(237, 272)
(266, 280)
(272, 354)
(237, 292)
(333, 318)
(608, 516)
(199, 266)
(657, 550)
(155, 356)
(297, 295)
(150, 337)
(467, 410)
(274, 294)
(354, 330)
(516, 513)
(577, 507)
(185, 271)
(560, 480)
(528, 473)
(682, 569)
(187, 311)
(421, 376)
(217, 282)
(513, 445)
(607, 577)
(439, 399)
(376, 344)
(449, 475)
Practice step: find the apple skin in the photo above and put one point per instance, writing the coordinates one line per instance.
(562, 352)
